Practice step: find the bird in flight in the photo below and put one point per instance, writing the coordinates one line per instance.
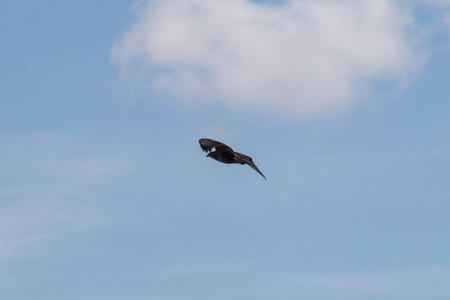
(226, 155)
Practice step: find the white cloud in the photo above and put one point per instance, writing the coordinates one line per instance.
(300, 57)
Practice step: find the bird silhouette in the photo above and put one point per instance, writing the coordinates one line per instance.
(226, 155)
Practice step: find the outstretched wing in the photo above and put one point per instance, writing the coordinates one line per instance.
(207, 145)
(249, 161)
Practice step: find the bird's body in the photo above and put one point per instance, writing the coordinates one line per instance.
(226, 155)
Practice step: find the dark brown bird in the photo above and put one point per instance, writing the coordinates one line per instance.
(226, 155)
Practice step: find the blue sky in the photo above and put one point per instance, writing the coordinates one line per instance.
(106, 194)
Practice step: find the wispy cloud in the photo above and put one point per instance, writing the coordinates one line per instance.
(440, 2)
(419, 281)
(197, 271)
(413, 283)
(25, 223)
(301, 57)
(53, 184)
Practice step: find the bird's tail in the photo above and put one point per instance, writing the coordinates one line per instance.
(251, 164)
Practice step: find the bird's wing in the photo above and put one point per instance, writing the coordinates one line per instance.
(249, 161)
(207, 145)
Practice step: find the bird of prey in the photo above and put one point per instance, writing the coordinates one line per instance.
(226, 155)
